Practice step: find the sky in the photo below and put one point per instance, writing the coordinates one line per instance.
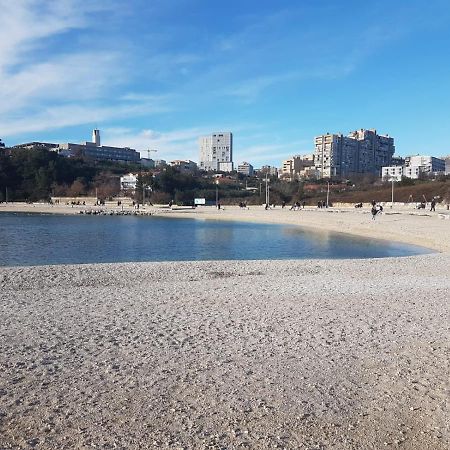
(159, 74)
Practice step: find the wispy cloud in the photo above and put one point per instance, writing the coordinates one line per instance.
(175, 144)
(42, 90)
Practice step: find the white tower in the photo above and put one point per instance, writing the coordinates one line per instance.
(96, 137)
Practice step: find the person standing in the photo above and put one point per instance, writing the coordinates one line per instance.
(433, 205)
(374, 212)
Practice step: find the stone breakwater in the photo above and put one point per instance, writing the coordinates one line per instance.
(264, 354)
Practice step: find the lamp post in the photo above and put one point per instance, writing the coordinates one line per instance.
(328, 193)
(217, 193)
(267, 190)
(392, 192)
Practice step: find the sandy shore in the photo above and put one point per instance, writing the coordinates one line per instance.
(338, 354)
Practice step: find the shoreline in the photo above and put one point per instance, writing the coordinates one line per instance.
(401, 225)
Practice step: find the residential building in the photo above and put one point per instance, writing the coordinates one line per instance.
(160, 163)
(216, 152)
(37, 145)
(362, 151)
(427, 164)
(414, 166)
(245, 168)
(271, 170)
(398, 161)
(447, 165)
(184, 165)
(148, 162)
(2, 145)
(293, 167)
(392, 173)
(128, 182)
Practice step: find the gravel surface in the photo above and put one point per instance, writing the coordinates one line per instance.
(340, 354)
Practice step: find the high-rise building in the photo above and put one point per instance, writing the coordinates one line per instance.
(216, 151)
(362, 151)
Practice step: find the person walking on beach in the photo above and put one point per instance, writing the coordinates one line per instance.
(374, 212)
(433, 205)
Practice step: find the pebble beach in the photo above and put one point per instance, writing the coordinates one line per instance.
(313, 354)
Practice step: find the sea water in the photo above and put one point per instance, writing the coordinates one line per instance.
(37, 239)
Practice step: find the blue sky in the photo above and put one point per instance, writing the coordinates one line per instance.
(158, 74)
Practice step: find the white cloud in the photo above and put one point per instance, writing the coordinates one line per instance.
(44, 87)
(75, 114)
(176, 144)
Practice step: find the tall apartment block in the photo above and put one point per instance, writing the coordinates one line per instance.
(362, 151)
(216, 151)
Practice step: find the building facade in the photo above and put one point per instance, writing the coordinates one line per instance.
(38, 145)
(427, 164)
(392, 173)
(128, 182)
(447, 165)
(272, 171)
(216, 152)
(185, 166)
(362, 151)
(296, 166)
(99, 152)
(245, 168)
(414, 167)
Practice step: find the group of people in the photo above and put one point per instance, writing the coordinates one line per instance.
(322, 204)
(297, 206)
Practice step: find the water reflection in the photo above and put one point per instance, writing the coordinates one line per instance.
(39, 239)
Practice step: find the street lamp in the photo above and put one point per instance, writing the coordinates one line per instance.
(328, 193)
(392, 193)
(217, 193)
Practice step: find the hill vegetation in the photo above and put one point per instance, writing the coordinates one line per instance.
(38, 174)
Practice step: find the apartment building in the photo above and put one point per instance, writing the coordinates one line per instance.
(216, 151)
(362, 151)
(295, 166)
(427, 164)
(245, 168)
(414, 166)
(270, 170)
(185, 166)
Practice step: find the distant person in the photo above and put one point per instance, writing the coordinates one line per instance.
(218, 205)
(374, 211)
(283, 205)
(433, 205)
(266, 207)
(303, 204)
(374, 203)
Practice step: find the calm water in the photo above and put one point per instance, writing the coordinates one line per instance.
(32, 239)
